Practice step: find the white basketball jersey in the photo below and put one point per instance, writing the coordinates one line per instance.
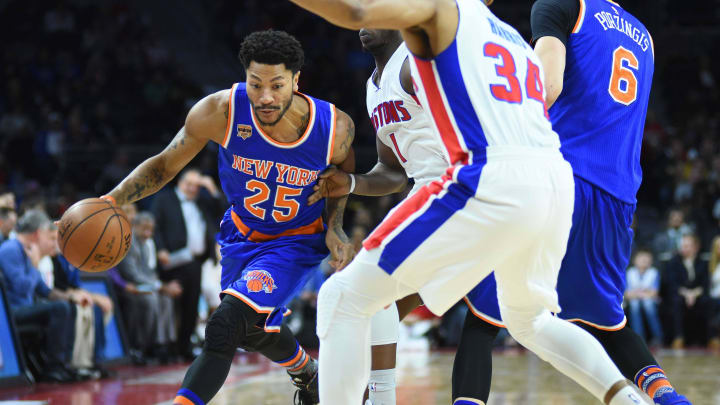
(402, 125)
(485, 89)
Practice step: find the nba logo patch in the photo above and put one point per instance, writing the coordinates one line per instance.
(259, 280)
(244, 131)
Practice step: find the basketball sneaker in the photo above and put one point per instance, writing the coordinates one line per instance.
(307, 385)
(671, 398)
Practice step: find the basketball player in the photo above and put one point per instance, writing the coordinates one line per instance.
(598, 77)
(274, 142)
(505, 204)
(406, 147)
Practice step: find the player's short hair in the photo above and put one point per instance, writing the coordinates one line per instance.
(33, 220)
(271, 47)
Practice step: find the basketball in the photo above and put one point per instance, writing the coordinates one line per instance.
(94, 235)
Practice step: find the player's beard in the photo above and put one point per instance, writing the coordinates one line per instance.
(282, 109)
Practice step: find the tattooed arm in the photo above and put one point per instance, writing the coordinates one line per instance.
(343, 156)
(205, 122)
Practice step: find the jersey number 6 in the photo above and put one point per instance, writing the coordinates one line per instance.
(623, 82)
(288, 207)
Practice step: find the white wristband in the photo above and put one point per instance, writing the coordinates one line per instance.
(352, 183)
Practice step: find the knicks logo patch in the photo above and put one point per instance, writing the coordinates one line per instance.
(259, 280)
(244, 131)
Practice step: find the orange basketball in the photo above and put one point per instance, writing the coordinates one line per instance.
(94, 235)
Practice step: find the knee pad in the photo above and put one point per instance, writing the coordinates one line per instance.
(225, 329)
(385, 326)
(328, 299)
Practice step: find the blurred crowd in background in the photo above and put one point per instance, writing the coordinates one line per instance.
(89, 89)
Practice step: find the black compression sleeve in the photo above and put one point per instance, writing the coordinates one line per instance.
(553, 18)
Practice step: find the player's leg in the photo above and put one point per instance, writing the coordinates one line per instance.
(632, 356)
(567, 347)
(250, 316)
(383, 338)
(384, 335)
(349, 298)
(598, 253)
(526, 295)
(346, 303)
(236, 324)
(472, 369)
(407, 305)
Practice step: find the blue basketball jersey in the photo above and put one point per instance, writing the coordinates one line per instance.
(268, 182)
(600, 114)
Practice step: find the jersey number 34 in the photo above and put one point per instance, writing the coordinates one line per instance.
(512, 92)
(623, 86)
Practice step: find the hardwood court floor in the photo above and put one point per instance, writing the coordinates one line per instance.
(519, 379)
(423, 377)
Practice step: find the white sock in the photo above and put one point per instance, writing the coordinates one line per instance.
(566, 347)
(381, 387)
(628, 396)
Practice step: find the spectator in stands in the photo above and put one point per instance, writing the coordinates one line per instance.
(8, 219)
(687, 284)
(641, 294)
(7, 200)
(714, 269)
(186, 222)
(67, 278)
(666, 244)
(146, 302)
(18, 263)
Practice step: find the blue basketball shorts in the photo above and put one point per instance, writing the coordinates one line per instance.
(591, 282)
(267, 275)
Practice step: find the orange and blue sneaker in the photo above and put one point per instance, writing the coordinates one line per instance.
(671, 398)
(653, 381)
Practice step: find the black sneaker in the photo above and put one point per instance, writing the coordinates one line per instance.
(307, 384)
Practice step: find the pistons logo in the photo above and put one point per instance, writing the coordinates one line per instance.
(259, 280)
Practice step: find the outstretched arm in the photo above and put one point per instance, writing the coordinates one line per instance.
(386, 177)
(343, 156)
(356, 14)
(206, 121)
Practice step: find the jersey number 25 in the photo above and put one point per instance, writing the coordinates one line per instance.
(285, 208)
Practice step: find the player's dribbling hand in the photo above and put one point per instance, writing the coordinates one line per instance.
(332, 182)
(341, 249)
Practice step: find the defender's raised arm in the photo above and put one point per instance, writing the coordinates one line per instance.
(355, 14)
